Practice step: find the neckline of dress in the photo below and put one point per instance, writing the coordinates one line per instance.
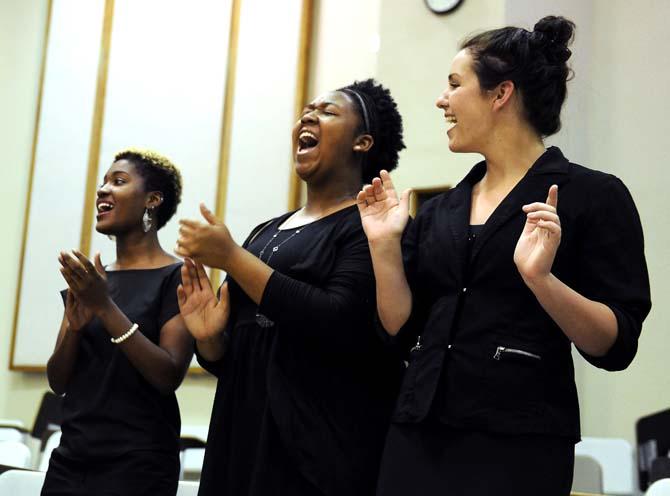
(279, 228)
(142, 270)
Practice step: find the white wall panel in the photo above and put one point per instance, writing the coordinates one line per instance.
(264, 113)
(59, 176)
(165, 92)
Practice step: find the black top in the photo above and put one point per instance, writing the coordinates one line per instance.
(109, 408)
(305, 385)
(505, 364)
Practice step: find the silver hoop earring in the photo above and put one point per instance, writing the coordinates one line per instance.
(146, 221)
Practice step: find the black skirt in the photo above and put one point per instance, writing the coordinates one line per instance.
(433, 459)
(138, 473)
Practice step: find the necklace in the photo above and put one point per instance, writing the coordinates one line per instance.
(275, 248)
(261, 319)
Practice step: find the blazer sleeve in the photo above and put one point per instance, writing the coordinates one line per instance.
(612, 268)
(406, 336)
(408, 253)
(335, 310)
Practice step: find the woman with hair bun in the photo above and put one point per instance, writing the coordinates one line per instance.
(495, 280)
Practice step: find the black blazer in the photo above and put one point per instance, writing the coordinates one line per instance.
(488, 356)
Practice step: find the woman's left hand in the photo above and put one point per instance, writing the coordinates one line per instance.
(536, 249)
(207, 243)
(86, 280)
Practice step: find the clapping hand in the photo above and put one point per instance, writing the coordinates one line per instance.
(205, 315)
(76, 313)
(383, 215)
(87, 282)
(207, 243)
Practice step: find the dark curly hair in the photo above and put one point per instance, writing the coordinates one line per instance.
(379, 113)
(536, 63)
(159, 174)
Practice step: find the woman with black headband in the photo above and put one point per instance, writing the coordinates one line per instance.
(306, 385)
(496, 279)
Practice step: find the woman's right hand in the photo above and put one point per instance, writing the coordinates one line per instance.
(383, 215)
(76, 313)
(205, 315)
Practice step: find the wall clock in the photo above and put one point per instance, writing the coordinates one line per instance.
(443, 6)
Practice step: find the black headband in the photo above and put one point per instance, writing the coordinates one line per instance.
(368, 118)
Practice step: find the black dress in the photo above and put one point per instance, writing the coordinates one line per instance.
(306, 386)
(488, 403)
(120, 435)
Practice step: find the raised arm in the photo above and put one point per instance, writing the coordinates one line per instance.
(384, 216)
(602, 315)
(591, 325)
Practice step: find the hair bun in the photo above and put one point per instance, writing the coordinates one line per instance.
(554, 33)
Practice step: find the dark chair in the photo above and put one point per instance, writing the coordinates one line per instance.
(49, 417)
(660, 469)
(653, 442)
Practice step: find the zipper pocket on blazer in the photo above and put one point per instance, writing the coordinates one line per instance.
(500, 350)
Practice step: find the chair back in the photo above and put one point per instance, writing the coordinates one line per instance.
(653, 441)
(49, 414)
(52, 444)
(187, 488)
(11, 434)
(659, 488)
(617, 461)
(21, 483)
(588, 475)
(192, 444)
(14, 454)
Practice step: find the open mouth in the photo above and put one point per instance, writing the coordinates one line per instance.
(307, 141)
(451, 121)
(104, 208)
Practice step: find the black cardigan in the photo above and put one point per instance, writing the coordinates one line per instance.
(466, 307)
(331, 380)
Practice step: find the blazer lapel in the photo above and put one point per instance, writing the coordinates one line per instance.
(460, 199)
(459, 218)
(550, 168)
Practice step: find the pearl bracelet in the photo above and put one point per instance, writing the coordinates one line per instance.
(126, 335)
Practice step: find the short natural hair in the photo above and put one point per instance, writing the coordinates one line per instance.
(386, 124)
(159, 174)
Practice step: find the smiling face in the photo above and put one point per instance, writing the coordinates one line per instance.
(122, 199)
(325, 137)
(467, 109)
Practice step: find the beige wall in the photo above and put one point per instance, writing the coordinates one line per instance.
(416, 51)
(345, 43)
(615, 120)
(628, 131)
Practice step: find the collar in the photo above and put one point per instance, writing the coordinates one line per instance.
(552, 161)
